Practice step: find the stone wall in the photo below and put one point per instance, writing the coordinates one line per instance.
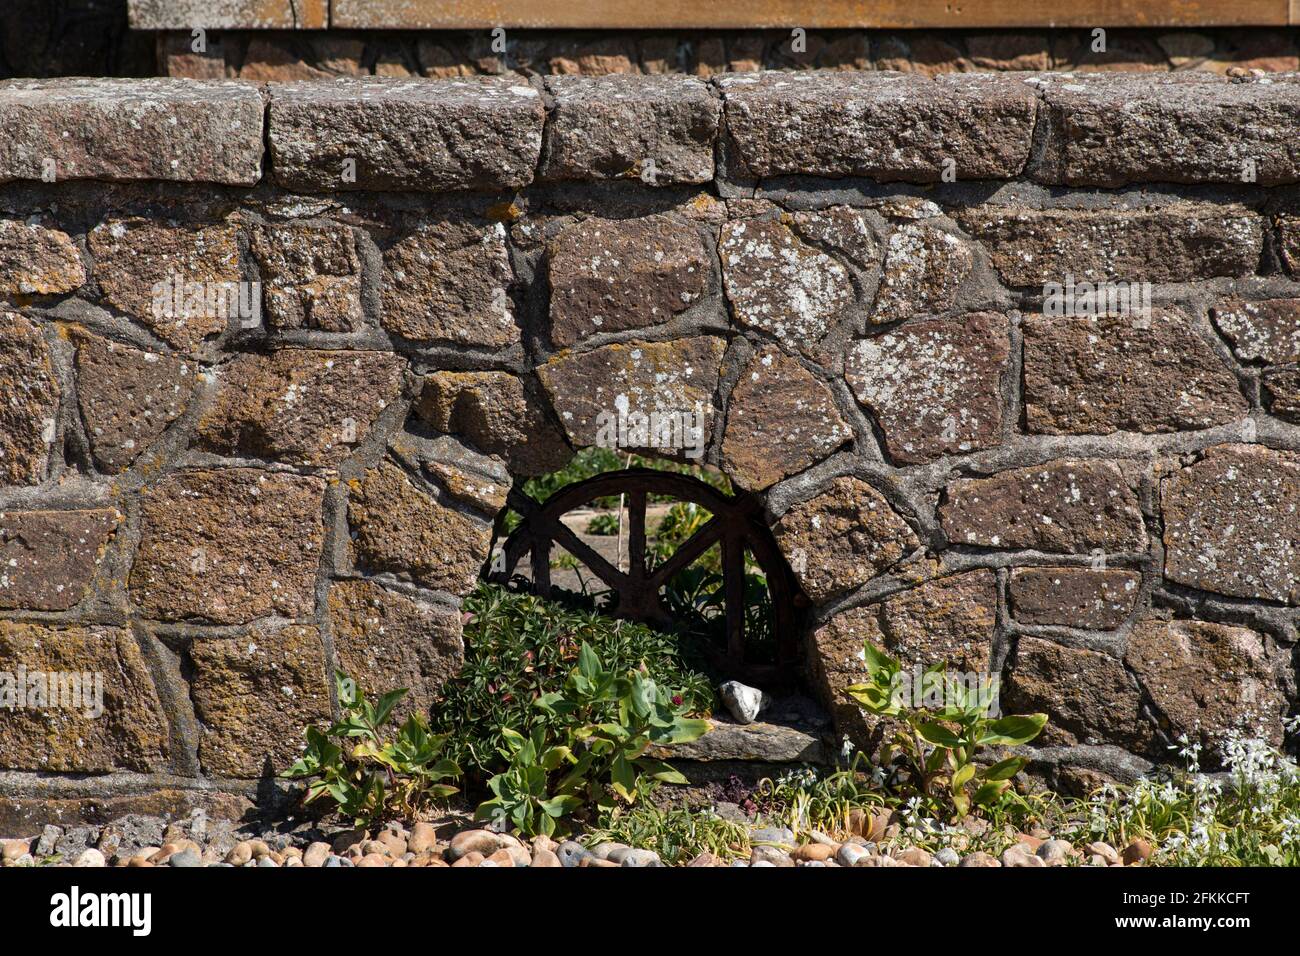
(282, 55)
(212, 505)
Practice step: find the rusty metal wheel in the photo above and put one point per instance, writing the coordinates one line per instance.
(736, 525)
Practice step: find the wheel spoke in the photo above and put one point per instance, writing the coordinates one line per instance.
(636, 505)
(562, 535)
(733, 582)
(690, 549)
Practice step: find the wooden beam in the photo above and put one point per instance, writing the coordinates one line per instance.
(823, 14)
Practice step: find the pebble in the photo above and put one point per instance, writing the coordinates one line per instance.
(185, 859)
(641, 858)
(472, 858)
(913, 856)
(742, 701)
(14, 850)
(1136, 852)
(316, 855)
(774, 856)
(1019, 856)
(978, 858)
(544, 857)
(947, 857)
(606, 851)
(90, 858)
(266, 861)
(240, 854)
(483, 842)
(571, 853)
(813, 853)
(333, 860)
(704, 859)
(423, 838)
(1055, 852)
(850, 854)
(1103, 850)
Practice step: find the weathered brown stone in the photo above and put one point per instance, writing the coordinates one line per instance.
(1099, 599)
(1125, 51)
(138, 262)
(780, 420)
(924, 266)
(1009, 51)
(1183, 127)
(48, 559)
(384, 641)
(844, 229)
(1179, 242)
(842, 538)
(612, 275)
(405, 134)
(127, 397)
(301, 406)
(493, 412)
(37, 261)
(780, 285)
(926, 54)
(1282, 388)
(1132, 372)
(947, 620)
(1208, 679)
(450, 281)
(1267, 331)
(882, 125)
(1089, 697)
(228, 546)
(934, 386)
(129, 734)
(399, 528)
(481, 481)
(1231, 524)
(1288, 235)
(1061, 506)
(275, 61)
(657, 128)
(593, 391)
(311, 276)
(30, 406)
(128, 129)
(253, 696)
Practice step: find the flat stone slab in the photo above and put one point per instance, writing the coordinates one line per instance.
(130, 129)
(1116, 128)
(398, 134)
(888, 126)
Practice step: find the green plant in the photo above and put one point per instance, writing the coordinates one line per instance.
(519, 647)
(937, 743)
(604, 523)
(609, 720)
(678, 834)
(371, 779)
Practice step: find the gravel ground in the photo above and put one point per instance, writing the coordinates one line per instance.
(141, 841)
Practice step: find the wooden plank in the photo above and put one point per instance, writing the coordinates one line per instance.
(825, 14)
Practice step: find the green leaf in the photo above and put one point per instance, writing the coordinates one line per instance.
(1013, 731)
(991, 791)
(962, 776)
(878, 662)
(1004, 769)
(938, 735)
